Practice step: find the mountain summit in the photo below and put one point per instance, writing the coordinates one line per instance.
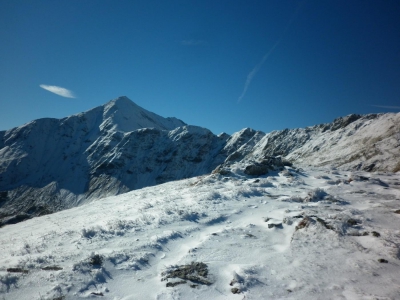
(121, 114)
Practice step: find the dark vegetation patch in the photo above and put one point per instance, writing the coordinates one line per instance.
(96, 260)
(52, 268)
(249, 235)
(172, 284)
(303, 223)
(17, 270)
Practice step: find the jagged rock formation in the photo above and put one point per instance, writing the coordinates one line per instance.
(54, 164)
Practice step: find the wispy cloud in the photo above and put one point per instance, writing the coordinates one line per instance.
(193, 42)
(253, 72)
(63, 92)
(387, 106)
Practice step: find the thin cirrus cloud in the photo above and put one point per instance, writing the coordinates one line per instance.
(253, 72)
(63, 92)
(387, 106)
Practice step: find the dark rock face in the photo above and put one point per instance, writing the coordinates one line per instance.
(256, 169)
(264, 166)
(342, 122)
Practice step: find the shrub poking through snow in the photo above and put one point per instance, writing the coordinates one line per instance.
(172, 284)
(196, 272)
(303, 223)
(316, 195)
(17, 270)
(52, 268)
(96, 260)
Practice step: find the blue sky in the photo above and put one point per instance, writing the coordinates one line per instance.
(224, 65)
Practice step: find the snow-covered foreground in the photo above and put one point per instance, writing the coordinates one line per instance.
(314, 234)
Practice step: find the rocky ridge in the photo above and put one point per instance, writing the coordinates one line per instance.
(49, 165)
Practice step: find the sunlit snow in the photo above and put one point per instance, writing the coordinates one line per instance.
(297, 234)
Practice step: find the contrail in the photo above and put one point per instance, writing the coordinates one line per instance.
(387, 106)
(253, 72)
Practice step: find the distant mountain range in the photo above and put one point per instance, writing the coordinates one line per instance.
(49, 165)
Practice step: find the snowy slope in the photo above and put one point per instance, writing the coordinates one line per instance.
(354, 142)
(52, 164)
(49, 165)
(313, 234)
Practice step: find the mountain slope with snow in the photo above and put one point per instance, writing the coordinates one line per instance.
(370, 143)
(313, 234)
(49, 165)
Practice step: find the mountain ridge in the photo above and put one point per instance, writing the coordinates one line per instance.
(49, 164)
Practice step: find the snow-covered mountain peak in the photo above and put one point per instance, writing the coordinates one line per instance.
(52, 164)
(121, 114)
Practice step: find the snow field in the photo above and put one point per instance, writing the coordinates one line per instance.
(291, 235)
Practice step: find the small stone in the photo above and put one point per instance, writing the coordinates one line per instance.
(376, 234)
(271, 225)
(397, 211)
(352, 222)
(235, 291)
(287, 221)
(384, 261)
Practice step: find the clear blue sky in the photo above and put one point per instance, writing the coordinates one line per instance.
(223, 65)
